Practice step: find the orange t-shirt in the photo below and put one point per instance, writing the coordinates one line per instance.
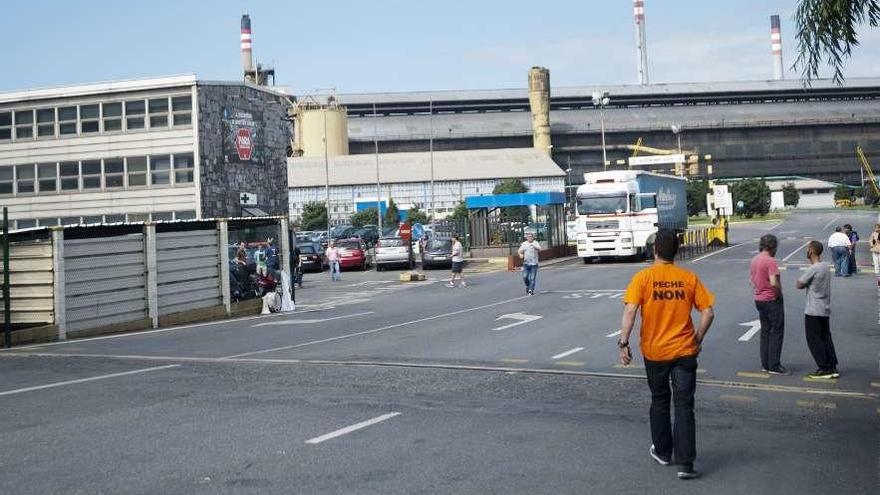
(666, 295)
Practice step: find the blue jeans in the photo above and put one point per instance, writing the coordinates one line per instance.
(530, 273)
(678, 440)
(840, 255)
(334, 271)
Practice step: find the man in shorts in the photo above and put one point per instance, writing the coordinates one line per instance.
(457, 262)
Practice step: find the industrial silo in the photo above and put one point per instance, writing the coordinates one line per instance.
(315, 120)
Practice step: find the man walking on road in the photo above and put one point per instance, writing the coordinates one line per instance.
(764, 273)
(666, 295)
(333, 259)
(457, 262)
(817, 313)
(839, 244)
(528, 251)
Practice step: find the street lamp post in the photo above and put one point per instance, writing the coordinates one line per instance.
(569, 197)
(602, 100)
(676, 129)
(431, 153)
(378, 185)
(326, 174)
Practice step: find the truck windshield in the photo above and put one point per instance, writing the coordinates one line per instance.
(593, 205)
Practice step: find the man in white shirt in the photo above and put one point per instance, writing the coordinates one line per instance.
(528, 251)
(839, 245)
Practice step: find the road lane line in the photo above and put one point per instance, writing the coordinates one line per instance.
(713, 253)
(567, 353)
(380, 329)
(796, 251)
(875, 384)
(816, 404)
(349, 429)
(613, 334)
(84, 380)
(319, 320)
(739, 398)
(829, 223)
(755, 327)
(752, 374)
(575, 364)
(514, 360)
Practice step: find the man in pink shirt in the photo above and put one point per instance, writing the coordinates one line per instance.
(764, 273)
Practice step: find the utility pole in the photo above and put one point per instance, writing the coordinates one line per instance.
(378, 186)
(431, 153)
(326, 173)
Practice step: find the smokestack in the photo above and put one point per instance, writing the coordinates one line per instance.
(247, 58)
(539, 101)
(641, 40)
(776, 47)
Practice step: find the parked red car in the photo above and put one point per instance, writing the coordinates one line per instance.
(353, 253)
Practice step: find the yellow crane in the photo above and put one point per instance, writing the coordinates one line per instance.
(863, 160)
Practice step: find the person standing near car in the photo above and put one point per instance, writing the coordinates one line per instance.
(764, 274)
(333, 260)
(457, 262)
(666, 294)
(529, 252)
(817, 313)
(853, 242)
(273, 263)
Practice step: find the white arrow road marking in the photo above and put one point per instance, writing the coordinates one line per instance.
(755, 326)
(349, 429)
(522, 317)
(613, 334)
(567, 353)
(314, 320)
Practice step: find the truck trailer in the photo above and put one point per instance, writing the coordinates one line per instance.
(618, 212)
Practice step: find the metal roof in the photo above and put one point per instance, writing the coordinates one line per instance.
(416, 167)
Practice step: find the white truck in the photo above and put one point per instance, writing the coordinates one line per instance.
(620, 211)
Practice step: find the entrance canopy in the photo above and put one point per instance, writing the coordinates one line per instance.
(493, 201)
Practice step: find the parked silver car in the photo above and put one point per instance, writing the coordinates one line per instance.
(391, 251)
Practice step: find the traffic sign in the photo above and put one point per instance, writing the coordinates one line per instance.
(247, 199)
(243, 143)
(405, 231)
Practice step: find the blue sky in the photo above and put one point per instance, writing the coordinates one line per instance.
(399, 45)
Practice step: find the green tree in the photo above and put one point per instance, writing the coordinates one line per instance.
(314, 216)
(460, 212)
(392, 214)
(416, 215)
(871, 196)
(364, 217)
(696, 196)
(826, 31)
(755, 195)
(512, 186)
(843, 191)
(790, 195)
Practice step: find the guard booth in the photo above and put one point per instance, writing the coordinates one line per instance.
(498, 223)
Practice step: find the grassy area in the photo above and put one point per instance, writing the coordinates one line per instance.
(770, 217)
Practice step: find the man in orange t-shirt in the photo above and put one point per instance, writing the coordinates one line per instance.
(669, 343)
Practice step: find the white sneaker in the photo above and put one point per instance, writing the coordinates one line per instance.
(450, 285)
(463, 284)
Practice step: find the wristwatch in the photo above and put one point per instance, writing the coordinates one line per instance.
(622, 345)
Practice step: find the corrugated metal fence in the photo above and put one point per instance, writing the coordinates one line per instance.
(188, 264)
(30, 265)
(105, 283)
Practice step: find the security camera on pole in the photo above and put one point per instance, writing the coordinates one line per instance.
(602, 100)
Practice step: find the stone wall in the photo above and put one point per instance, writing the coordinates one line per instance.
(224, 109)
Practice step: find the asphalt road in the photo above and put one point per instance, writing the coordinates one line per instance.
(374, 386)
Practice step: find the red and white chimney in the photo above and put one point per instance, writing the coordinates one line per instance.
(776, 48)
(641, 40)
(247, 58)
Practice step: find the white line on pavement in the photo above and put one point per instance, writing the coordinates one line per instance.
(349, 429)
(314, 320)
(829, 223)
(380, 329)
(613, 334)
(796, 251)
(83, 380)
(755, 326)
(713, 253)
(567, 353)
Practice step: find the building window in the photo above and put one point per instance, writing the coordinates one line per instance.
(183, 168)
(67, 120)
(89, 119)
(114, 173)
(24, 179)
(6, 179)
(24, 124)
(160, 170)
(114, 218)
(70, 221)
(158, 112)
(137, 171)
(91, 174)
(162, 215)
(70, 176)
(46, 122)
(112, 116)
(138, 217)
(134, 114)
(181, 108)
(25, 223)
(47, 177)
(5, 125)
(47, 222)
(185, 215)
(92, 219)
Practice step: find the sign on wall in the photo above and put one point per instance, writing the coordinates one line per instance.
(242, 136)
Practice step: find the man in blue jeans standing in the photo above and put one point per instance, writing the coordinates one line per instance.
(528, 251)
